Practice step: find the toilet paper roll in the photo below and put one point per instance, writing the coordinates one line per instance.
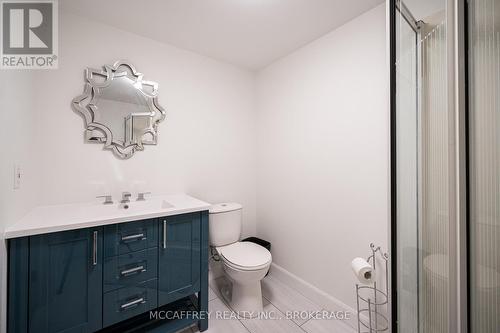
(363, 270)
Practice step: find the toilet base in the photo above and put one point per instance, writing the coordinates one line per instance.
(245, 299)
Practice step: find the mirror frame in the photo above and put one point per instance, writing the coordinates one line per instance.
(86, 105)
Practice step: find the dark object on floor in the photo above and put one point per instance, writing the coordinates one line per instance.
(259, 241)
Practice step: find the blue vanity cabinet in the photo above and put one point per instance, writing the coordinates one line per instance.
(108, 279)
(65, 282)
(179, 257)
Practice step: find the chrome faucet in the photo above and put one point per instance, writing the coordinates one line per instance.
(108, 200)
(125, 197)
(141, 196)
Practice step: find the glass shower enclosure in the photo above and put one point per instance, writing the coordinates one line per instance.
(484, 164)
(445, 166)
(421, 164)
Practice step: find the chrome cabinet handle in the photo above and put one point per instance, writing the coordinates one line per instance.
(133, 303)
(94, 249)
(134, 237)
(164, 234)
(138, 269)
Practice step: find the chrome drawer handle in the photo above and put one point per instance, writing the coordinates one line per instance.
(94, 249)
(133, 303)
(133, 237)
(164, 234)
(138, 269)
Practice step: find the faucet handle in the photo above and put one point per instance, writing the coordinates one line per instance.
(140, 196)
(108, 199)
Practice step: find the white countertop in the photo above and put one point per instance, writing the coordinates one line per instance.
(46, 219)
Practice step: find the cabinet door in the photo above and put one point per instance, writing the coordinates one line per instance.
(65, 274)
(179, 259)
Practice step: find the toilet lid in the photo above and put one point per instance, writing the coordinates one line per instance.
(224, 207)
(245, 255)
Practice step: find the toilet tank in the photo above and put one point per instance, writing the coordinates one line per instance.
(224, 223)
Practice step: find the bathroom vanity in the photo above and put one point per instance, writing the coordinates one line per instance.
(93, 267)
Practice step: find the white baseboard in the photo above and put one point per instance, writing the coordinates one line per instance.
(316, 295)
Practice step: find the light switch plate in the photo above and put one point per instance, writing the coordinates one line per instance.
(17, 176)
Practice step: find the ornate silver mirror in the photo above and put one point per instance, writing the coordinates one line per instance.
(120, 109)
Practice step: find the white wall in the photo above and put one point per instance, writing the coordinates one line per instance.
(322, 163)
(206, 145)
(18, 119)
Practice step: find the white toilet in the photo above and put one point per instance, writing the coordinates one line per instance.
(245, 263)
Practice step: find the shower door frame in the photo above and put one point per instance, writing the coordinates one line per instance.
(457, 98)
(395, 7)
(401, 10)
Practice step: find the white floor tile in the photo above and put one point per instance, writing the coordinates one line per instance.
(287, 299)
(222, 323)
(327, 326)
(279, 299)
(272, 322)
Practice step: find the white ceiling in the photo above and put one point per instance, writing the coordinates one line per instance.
(247, 33)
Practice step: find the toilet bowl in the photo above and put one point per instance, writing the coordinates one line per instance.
(245, 263)
(484, 283)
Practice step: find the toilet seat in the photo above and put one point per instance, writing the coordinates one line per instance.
(245, 256)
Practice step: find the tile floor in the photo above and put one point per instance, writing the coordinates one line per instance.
(278, 299)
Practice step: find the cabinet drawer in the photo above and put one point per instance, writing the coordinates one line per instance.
(128, 302)
(129, 237)
(130, 269)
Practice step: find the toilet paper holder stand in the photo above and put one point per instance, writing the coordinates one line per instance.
(372, 300)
